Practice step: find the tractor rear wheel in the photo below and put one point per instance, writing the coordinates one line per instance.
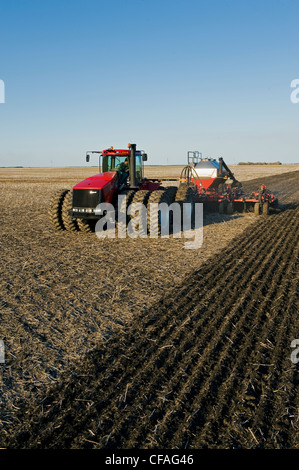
(122, 208)
(69, 224)
(171, 192)
(140, 197)
(185, 195)
(55, 209)
(157, 221)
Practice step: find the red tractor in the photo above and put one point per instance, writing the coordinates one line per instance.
(121, 173)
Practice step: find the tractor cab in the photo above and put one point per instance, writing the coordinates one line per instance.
(127, 163)
(119, 161)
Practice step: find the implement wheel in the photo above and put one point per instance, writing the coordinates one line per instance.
(221, 207)
(230, 208)
(257, 208)
(265, 208)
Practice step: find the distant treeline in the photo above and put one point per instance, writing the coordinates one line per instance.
(259, 163)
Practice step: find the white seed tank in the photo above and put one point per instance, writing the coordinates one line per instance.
(209, 168)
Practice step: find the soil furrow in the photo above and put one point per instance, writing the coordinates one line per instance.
(206, 363)
(201, 384)
(163, 366)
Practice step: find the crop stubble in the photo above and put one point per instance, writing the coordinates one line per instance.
(207, 365)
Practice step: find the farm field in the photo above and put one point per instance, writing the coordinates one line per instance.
(75, 174)
(142, 343)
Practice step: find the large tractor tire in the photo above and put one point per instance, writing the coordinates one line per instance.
(171, 192)
(85, 226)
(69, 224)
(55, 209)
(158, 221)
(140, 197)
(127, 202)
(185, 194)
(123, 219)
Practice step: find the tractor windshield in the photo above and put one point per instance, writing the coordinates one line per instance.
(115, 162)
(120, 163)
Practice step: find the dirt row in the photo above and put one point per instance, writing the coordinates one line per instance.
(207, 366)
(62, 295)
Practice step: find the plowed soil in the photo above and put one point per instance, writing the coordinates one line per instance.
(189, 351)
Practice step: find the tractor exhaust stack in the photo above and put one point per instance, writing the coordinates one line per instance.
(132, 164)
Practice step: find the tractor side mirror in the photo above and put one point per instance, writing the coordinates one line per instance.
(87, 158)
(144, 157)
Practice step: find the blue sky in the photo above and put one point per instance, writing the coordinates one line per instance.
(170, 76)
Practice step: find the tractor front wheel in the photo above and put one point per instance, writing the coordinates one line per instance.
(69, 224)
(85, 226)
(55, 209)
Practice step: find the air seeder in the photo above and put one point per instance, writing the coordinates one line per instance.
(216, 187)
